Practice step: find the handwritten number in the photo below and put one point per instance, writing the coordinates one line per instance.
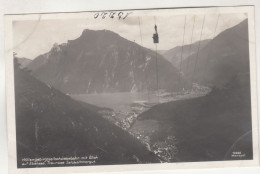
(120, 14)
(96, 15)
(127, 14)
(104, 15)
(112, 14)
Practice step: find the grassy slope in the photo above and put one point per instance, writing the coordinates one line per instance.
(49, 123)
(207, 127)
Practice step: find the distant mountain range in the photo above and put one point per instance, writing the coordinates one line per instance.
(102, 61)
(50, 124)
(174, 55)
(224, 57)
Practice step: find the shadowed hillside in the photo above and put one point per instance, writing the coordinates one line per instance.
(51, 124)
(221, 59)
(207, 128)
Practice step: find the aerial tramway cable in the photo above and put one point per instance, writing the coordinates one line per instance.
(139, 21)
(157, 83)
(192, 31)
(156, 40)
(144, 59)
(181, 55)
(196, 59)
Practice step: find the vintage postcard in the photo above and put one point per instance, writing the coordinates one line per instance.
(129, 90)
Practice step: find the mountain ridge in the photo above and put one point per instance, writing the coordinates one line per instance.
(221, 59)
(23, 62)
(103, 61)
(174, 54)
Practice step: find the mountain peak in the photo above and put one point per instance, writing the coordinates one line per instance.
(99, 34)
(102, 61)
(23, 61)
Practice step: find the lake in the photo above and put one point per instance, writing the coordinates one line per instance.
(118, 101)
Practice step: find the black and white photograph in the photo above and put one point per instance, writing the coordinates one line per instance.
(152, 86)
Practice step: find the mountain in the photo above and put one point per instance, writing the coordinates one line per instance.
(221, 59)
(208, 128)
(102, 61)
(50, 124)
(218, 125)
(24, 62)
(174, 55)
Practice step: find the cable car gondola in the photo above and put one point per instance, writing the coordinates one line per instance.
(155, 36)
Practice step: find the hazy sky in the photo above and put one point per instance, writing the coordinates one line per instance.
(32, 38)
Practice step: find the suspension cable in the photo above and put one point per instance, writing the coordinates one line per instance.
(196, 60)
(139, 21)
(188, 60)
(157, 78)
(181, 54)
(154, 20)
(145, 74)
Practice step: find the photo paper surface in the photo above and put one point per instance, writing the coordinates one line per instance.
(131, 90)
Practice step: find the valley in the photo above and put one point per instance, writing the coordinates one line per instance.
(101, 94)
(125, 108)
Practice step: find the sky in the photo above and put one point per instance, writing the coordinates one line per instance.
(32, 38)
